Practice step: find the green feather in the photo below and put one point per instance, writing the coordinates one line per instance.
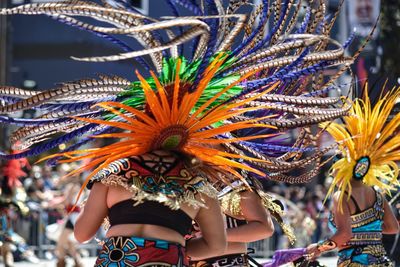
(188, 72)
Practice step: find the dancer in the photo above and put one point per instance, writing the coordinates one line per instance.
(170, 126)
(5, 231)
(66, 243)
(149, 222)
(248, 218)
(12, 172)
(360, 213)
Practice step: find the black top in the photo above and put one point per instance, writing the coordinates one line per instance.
(233, 222)
(358, 210)
(150, 212)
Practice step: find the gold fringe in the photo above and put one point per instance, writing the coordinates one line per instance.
(230, 204)
(172, 201)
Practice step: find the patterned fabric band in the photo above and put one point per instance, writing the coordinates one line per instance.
(365, 238)
(223, 261)
(367, 255)
(140, 252)
(326, 245)
(157, 176)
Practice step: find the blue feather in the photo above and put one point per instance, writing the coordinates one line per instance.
(304, 24)
(38, 122)
(210, 51)
(350, 39)
(10, 99)
(259, 28)
(73, 107)
(271, 33)
(124, 4)
(30, 122)
(278, 148)
(49, 145)
(278, 76)
(191, 6)
(175, 12)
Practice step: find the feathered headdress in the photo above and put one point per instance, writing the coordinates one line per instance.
(236, 88)
(368, 144)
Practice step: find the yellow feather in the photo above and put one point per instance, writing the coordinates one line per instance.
(367, 132)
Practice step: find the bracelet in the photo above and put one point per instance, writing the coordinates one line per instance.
(326, 245)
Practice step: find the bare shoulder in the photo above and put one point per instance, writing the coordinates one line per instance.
(249, 197)
(340, 202)
(98, 192)
(202, 197)
(336, 196)
(249, 194)
(99, 187)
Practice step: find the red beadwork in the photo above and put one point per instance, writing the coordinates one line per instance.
(171, 138)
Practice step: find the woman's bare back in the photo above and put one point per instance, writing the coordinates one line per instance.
(117, 194)
(364, 196)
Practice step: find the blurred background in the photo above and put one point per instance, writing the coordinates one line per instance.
(35, 53)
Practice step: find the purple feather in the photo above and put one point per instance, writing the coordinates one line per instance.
(305, 22)
(271, 33)
(284, 256)
(256, 31)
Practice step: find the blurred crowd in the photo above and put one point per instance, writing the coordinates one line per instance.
(305, 212)
(34, 210)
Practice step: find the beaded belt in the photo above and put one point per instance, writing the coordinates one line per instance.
(223, 261)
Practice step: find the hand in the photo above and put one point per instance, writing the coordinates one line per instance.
(194, 234)
(197, 234)
(312, 252)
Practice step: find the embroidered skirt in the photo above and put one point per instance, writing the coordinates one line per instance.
(364, 255)
(223, 261)
(136, 251)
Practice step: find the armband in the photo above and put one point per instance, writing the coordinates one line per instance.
(326, 245)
